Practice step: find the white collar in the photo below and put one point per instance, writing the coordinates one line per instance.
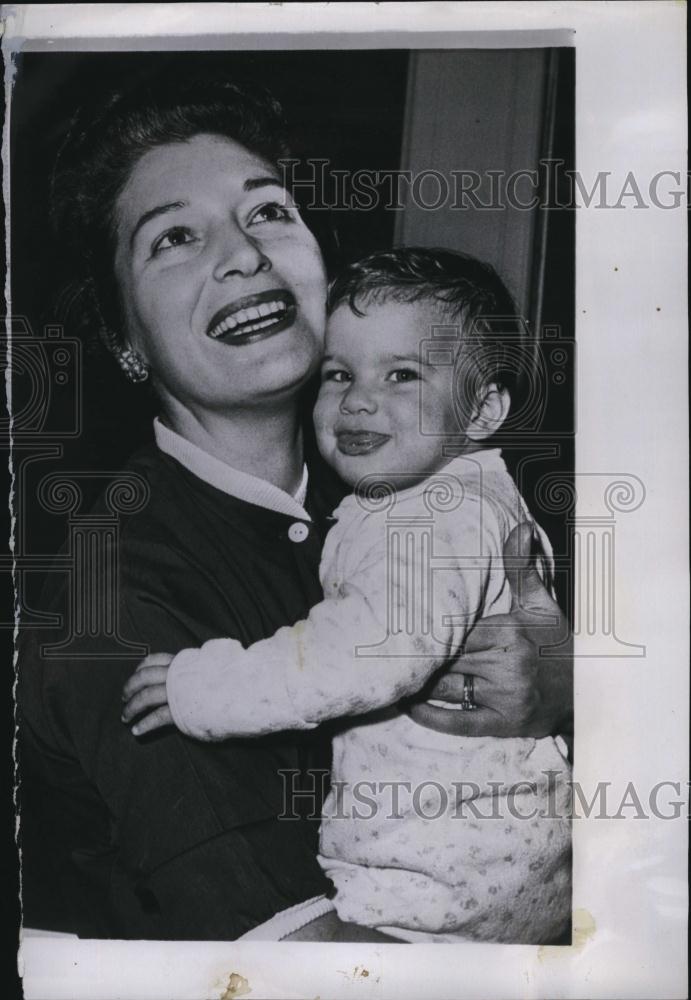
(232, 481)
(487, 459)
(462, 466)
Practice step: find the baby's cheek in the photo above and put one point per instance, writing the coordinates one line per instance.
(324, 417)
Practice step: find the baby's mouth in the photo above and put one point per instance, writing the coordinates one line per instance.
(253, 317)
(360, 442)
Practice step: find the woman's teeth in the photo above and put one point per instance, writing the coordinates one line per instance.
(250, 319)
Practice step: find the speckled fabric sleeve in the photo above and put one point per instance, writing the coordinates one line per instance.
(347, 658)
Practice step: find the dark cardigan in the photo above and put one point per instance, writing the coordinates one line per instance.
(166, 837)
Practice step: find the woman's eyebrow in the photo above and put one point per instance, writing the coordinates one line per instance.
(252, 183)
(152, 214)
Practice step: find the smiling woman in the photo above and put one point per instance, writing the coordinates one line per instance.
(212, 259)
(173, 203)
(185, 222)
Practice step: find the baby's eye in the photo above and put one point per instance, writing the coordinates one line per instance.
(403, 375)
(335, 375)
(272, 211)
(177, 237)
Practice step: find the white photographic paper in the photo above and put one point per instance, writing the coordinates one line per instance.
(628, 375)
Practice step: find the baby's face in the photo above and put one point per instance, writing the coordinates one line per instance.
(383, 408)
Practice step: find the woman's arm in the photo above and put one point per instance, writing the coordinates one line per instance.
(521, 663)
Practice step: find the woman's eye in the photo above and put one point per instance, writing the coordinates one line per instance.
(335, 375)
(403, 375)
(272, 212)
(177, 237)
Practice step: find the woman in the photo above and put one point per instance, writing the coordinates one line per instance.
(206, 282)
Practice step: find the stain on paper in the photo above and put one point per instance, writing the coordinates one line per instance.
(357, 973)
(237, 986)
(584, 928)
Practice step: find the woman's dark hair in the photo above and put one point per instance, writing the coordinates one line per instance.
(106, 140)
(472, 295)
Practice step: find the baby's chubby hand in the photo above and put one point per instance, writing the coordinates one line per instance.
(145, 691)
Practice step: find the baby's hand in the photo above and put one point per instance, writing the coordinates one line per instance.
(146, 689)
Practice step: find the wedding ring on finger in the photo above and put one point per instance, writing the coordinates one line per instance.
(468, 702)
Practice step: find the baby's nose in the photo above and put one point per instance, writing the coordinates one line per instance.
(358, 400)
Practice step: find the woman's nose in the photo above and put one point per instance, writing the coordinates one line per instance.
(239, 254)
(358, 399)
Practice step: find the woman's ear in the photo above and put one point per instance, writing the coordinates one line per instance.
(489, 414)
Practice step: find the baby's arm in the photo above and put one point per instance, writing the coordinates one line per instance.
(324, 667)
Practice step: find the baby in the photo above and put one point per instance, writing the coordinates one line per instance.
(426, 836)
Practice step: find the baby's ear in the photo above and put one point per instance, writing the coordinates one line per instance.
(489, 414)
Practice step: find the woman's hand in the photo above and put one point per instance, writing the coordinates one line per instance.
(521, 663)
(146, 691)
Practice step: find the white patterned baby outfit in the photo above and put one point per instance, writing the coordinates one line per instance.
(426, 836)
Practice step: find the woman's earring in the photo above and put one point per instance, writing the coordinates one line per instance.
(133, 365)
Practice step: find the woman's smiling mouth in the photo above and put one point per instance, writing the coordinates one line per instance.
(360, 442)
(253, 317)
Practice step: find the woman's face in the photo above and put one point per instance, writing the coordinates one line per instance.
(222, 285)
